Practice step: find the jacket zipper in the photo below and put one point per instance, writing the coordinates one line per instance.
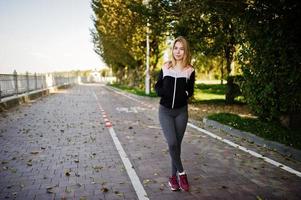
(174, 91)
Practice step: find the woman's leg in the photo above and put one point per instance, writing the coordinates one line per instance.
(167, 122)
(180, 126)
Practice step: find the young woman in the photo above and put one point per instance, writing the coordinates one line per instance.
(175, 85)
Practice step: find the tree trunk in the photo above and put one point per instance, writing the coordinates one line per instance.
(291, 121)
(222, 72)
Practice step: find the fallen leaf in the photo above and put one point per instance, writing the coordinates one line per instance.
(104, 189)
(34, 152)
(146, 181)
(97, 168)
(29, 163)
(67, 173)
(50, 190)
(118, 193)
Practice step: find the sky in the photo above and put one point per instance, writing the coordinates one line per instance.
(46, 36)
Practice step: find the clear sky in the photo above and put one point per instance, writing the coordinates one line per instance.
(46, 35)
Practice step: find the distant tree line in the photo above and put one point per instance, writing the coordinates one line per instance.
(257, 39)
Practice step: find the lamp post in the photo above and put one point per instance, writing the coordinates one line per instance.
(147, 76)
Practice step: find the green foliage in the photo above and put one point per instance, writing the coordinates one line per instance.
(269, 130)
(212, 28)
(118, 38)
(120, 33)
(271, 58)
(263, 35)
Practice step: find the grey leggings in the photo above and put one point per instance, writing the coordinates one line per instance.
(173, 123)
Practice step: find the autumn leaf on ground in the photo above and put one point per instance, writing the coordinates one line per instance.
(67, 173)
(104, 189)
(118, 193)
(165, 151)
(97, 168)
(34, 152)
(224, 187)
(162, 187)
(29, 163)
(146, 181)
(51, 189)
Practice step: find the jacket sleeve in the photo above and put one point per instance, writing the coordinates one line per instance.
(159, 85)
(190, 86)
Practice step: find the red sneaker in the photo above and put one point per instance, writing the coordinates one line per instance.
(173, 183)
(184, 185)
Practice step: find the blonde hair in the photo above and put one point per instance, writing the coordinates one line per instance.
(187, 54)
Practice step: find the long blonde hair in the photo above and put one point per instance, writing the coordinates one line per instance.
(187, 54)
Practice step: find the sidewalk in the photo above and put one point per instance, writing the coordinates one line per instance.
(58, 147)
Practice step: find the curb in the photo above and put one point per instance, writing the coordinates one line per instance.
(280, 148)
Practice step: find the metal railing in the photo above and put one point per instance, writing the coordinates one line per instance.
(16, 84)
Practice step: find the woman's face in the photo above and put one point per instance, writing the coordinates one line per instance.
(178, 51)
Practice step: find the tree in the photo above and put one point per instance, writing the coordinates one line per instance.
(211, 28)
(117, 37)
(271, 58)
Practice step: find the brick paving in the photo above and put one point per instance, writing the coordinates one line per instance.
(58, 147)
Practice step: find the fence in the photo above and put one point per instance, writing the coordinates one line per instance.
(16, 84)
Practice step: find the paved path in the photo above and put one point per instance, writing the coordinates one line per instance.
(59, 147)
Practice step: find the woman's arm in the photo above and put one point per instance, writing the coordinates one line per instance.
(190, 88)
(159, 85)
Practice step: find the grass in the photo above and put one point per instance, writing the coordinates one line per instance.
(268, 130)
(212, 93)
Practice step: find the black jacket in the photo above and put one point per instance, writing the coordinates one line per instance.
(175, 88)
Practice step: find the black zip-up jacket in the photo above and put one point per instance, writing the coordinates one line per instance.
(175, 88)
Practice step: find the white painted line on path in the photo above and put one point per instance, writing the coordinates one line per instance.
(139, 189)
(253, 153)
